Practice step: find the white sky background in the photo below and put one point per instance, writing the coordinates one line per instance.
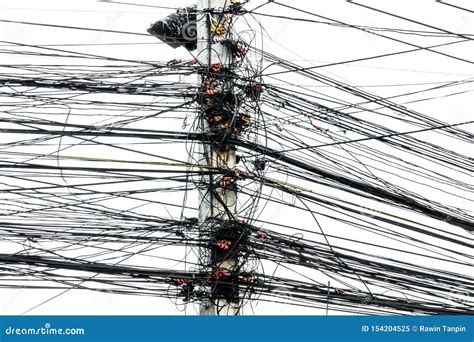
(306, 44)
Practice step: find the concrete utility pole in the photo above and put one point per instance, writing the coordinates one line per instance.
(205, 28)
(218, 202)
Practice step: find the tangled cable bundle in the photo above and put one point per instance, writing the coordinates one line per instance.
(336, 209)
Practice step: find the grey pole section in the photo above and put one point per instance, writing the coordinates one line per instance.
(218, 202)
(222, 117)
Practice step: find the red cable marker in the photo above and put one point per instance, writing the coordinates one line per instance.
(216, 67)
(324, 130)
(239, 173)
(191, 62)
(32, 239)
(224, 244)
(226, 181)
(181, 281)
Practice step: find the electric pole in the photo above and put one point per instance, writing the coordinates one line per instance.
(222, 95)
(218, 117)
